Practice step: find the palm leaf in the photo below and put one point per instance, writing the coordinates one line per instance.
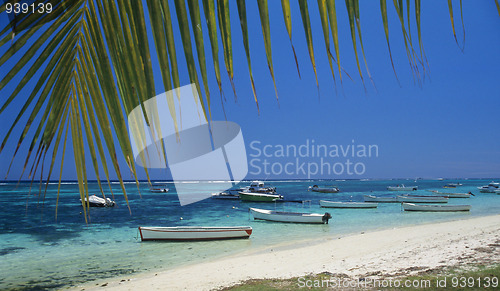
(225, 32)
(304, 13)
(287, 16)
(266, 31)
(383, 11)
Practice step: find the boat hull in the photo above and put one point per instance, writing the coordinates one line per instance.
(395, 188)
(259, 197)
(194, 233)
(416, 199)
(290, 217)
(371, 198)
(355, 205)
(435, 208)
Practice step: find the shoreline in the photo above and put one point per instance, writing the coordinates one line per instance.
(397, 251)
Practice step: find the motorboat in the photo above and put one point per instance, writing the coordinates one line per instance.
(194, 233)
(316, 188)
(159, 190)
(260, 197)
(402, 188)
(382, 199)
(225, 195)
(292, 217)
(435, 208)
(490, 188)
(95, 201)
(258, 187)
(336, 204)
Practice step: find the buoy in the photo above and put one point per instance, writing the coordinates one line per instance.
(182, 218)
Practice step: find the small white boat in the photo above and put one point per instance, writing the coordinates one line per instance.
(335, 204)
(225, 195)
(490, 188)
(402, 188)
(452, 185)
(95, 201)
(435, 208)
(193, 233)
(258, 187)
(158, 190)
(452, 195)
(382, 199)
(295, 217)
(316, 188)
(422, 199)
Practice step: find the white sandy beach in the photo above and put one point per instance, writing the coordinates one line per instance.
(391, 252)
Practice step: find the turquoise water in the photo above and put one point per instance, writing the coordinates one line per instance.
(39, 252)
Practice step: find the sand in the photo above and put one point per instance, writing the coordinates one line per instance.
(385, 253)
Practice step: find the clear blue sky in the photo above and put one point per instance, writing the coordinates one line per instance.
(446, 128)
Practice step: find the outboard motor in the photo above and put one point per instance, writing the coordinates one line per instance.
(326, 217)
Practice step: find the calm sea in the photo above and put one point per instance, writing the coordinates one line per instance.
(39, 252)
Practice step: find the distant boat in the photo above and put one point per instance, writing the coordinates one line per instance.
(422, 199)
(95, 201)
(452, 185)
(258, 187)
(260, 197)
(158, 190)
(193, 233)
(497, 191)
(435, 208)
(490, 188)
(225, 195)
(316, 188)
(452, 195)
(335, 204)
(382, 199)
(293, 217)
(402, 188)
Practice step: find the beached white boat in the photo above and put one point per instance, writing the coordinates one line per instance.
(402, 188)
(95, 201)
(194, 233)
(452, 195)
(336, 204)
(225, 195)
(422, 199)
(382, 199)
(316, 188)
(295, 217)
(490, 188)
(435, 208)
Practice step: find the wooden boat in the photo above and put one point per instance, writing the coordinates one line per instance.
(435, 208)
(372, 198)
(260, 197)
(95, 201)
(193, 233)
(402, 188)
(452, 195)
(316, 188)
(225, 195)
(294, 217)
(334, 204)
(422, 199)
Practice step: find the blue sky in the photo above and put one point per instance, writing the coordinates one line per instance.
(446, 128)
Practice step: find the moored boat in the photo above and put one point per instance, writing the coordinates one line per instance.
(316, 188)
(422, 199)
(158, 190)
(452, 195)
(95, 201)
(258, 187)
(435, 208)
(336, 204)
(490, 188)
(293, 217)
(260, 197)
(402, 188)
(382, 199)
(193, 233)
(225, 195)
